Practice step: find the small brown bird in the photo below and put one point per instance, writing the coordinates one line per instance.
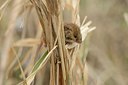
(72, 33)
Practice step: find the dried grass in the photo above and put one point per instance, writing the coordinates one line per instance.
(65, 66)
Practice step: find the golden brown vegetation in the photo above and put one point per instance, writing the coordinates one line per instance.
(32, 42)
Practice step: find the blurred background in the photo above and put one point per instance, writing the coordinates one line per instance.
(107, 58)
(108, 44)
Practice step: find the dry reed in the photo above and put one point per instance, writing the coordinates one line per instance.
(66, 66)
